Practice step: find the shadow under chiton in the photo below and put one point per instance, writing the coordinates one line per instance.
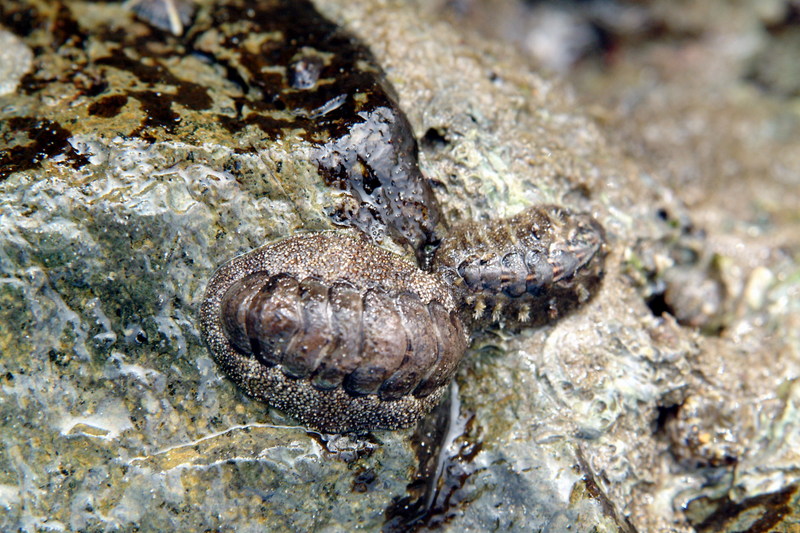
(339, 333)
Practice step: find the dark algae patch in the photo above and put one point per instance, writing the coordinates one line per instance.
(758, 514)
(189, 94)
(158, 112)
(157, 105)
(44, 139)
(18, 18)
(108, 106)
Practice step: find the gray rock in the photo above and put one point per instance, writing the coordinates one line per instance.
(15, 61)
(112, 219)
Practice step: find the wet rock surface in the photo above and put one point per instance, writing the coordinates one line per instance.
(123, 189)
(702, 98)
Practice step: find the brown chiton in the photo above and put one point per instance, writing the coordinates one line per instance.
(340, 334)
(524, 270)
(304, 76)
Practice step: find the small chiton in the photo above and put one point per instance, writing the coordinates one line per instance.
(338, 333)
(524, 270)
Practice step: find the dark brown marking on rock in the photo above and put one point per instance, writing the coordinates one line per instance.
(19, 18)
(157, 104)
(157, 107)
(97, 87)
(193, 95)
(265, 123)
(45, 139)
(765, 511)
(65, 29)
(108, 106)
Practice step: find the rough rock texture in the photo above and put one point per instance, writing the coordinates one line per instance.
(112, 414)
(703, 97)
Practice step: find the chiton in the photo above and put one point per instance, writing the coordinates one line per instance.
(340, 334)
(524, 270)
(303, 76)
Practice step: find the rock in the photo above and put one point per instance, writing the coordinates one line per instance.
(15, 61)
(122, 190)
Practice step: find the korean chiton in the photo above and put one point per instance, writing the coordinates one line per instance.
(333, 330)
(525, 270)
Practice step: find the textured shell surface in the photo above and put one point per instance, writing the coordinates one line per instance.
(333, 330)
(524, 270)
